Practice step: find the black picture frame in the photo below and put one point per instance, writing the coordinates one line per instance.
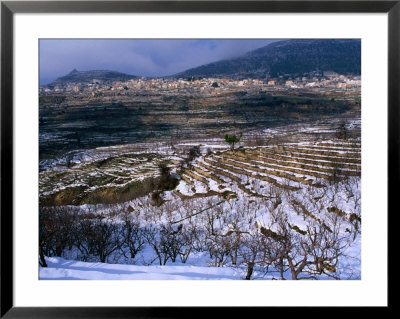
(9, 8)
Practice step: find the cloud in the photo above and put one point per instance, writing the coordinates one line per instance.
(144, 57)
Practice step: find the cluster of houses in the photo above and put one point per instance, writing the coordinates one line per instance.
(327, 79)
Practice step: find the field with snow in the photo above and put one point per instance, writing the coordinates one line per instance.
(284, 204)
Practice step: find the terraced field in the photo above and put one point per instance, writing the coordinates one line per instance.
(309, 181)
(287, 166)
(108, 180)
(229, 206)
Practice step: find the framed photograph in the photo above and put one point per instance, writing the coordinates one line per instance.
(160, 155)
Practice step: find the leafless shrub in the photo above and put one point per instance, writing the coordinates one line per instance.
(342, 131)
(258, 139)
(156, 198)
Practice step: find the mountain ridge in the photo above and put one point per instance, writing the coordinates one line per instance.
(297, 56)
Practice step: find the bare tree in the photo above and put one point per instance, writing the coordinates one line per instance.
(189, 236)
(309, 255)
(56, 229)
(98, 237)
(252, 253)
(156, 238)
(132, 236)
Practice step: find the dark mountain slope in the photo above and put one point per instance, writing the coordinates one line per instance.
(288, 57)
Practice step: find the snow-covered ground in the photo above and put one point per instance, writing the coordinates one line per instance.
(63, 269)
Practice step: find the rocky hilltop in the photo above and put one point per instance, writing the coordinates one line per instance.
(93, 76)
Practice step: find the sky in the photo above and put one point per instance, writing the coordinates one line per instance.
(144, 57)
